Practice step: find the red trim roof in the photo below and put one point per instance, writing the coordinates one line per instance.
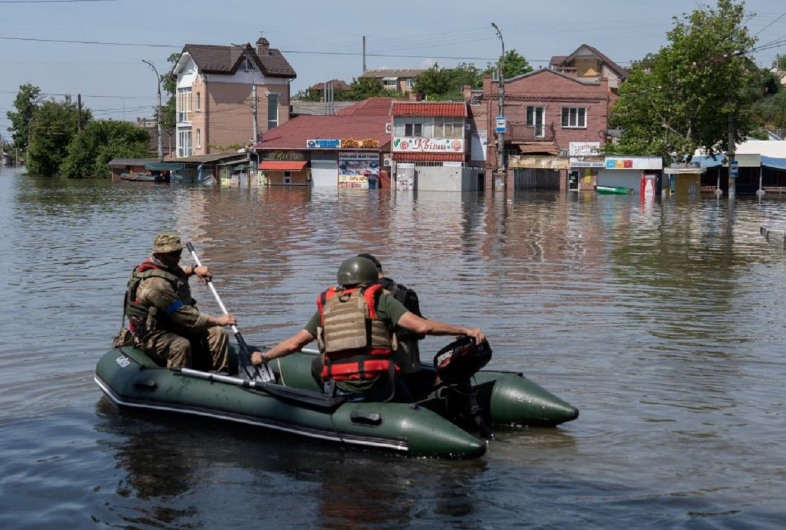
(428, 157)
(449, 110)
(283, 165)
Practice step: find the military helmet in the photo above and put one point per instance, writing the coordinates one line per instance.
(357, 270)
(167, 242)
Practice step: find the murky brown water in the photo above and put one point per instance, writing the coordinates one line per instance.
(664, 324)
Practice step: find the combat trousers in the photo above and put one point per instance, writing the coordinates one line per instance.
(208, 350)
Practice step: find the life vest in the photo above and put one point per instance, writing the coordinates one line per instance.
(137, 311)
(355, 344)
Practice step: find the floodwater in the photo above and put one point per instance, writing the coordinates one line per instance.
(663, 323)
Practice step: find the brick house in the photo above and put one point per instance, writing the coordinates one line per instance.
(546, 112)
(216, 108)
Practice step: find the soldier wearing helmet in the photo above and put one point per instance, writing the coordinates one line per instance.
(163, 317)
(354, 325)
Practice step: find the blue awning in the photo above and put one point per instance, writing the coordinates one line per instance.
(776, 163)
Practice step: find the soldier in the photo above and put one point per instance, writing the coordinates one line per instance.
(163, 316)
(354, 326)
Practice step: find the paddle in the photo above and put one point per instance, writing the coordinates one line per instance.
(264, 371)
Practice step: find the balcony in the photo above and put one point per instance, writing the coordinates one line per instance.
(526, 133)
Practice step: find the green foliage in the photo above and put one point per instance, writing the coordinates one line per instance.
(26, 103)
(169, 85)
(770, 112)
(683, 97)
(434, 82)
(99, 142)
(369, 87)
(53, 126)
(515, 65)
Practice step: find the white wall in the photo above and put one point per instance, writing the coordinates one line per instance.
(444, 179)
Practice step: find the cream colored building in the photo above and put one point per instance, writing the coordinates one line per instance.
(228, 96)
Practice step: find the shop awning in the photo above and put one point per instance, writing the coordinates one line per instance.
(283, 165)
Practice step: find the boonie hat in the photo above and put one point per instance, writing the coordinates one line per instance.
(167, 242)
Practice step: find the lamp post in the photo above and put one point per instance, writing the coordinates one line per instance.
(501, 110)
(158, 112)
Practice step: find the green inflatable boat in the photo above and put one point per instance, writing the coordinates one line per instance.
(450, 422)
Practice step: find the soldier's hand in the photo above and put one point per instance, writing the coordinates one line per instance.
(477, 334)
(256, 358)
(203, 272)
(226, 320)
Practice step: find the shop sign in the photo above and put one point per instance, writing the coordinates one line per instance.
(319, 143)
(407, 144)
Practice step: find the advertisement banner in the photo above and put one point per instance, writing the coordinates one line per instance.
(406, 144)
(358, 170)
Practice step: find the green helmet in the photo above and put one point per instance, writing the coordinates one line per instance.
(357, 270)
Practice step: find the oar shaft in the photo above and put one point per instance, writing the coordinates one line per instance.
(264, 371)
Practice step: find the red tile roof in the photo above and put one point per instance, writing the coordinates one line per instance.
(294, 133)
(456, 110)
(369, 107)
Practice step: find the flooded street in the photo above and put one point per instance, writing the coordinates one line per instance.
(663, 323)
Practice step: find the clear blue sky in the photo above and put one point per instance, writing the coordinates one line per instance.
(96, 47)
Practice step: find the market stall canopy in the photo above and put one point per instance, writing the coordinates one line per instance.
(283, 165)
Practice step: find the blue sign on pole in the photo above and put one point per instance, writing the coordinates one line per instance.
(735, 169)
(501, 124)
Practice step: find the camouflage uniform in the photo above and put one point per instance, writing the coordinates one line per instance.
(173, 330)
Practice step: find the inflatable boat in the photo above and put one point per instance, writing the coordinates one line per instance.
(453, 419)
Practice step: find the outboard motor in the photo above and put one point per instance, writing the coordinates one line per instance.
(461, 359)
(456, 363)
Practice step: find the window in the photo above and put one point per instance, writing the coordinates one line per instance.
(272, 111)
(410, 82)
(448, 128)
(184, 105)
(245, 65)
(413, 127)
(574, 117)
(535, 118)
(184, 143)
(198, 138)
(199, 101)
(287, 177)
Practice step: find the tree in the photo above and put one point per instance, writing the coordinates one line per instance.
(99, 142)
(369, 87)
(515, 65)
(685, 96)
(169, 85)
(434, 82)
(53, 126)
(26, 103)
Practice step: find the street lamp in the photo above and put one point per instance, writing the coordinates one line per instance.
(158, 113)
(501, 94)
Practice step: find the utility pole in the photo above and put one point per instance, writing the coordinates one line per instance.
(79, 112)
(158, 113)
(364, 53)
(732, 163)
(255, 125)
(501, 112)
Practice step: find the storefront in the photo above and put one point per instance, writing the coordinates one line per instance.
(631, 173)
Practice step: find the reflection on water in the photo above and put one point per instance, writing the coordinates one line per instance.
(662, 322)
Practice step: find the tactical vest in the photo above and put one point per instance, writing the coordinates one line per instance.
(356, 345)
(138, 312)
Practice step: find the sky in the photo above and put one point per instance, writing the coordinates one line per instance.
(96, 48)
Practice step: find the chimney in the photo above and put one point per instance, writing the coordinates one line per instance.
(263, 47)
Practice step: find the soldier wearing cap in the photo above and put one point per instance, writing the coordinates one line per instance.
(163, 316)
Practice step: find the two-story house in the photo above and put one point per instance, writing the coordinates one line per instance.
(229, 95)
(547, 114)
(590, 64)
(392, 79)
